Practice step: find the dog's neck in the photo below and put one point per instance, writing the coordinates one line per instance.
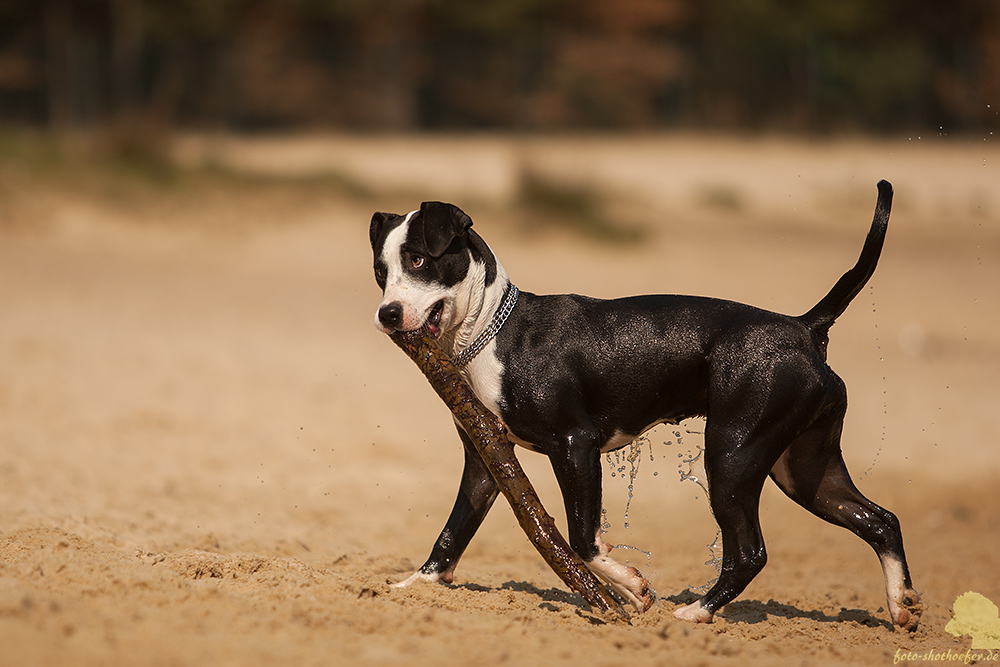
(478, 305)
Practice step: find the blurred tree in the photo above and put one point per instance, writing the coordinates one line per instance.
(127, 35)
(552, 63)
(812, 64)
(59, 39)
(805, 65)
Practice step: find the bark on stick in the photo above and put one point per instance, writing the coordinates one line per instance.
(489, 436)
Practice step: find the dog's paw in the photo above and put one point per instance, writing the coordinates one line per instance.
(906, 610)
(624, 580)
(646, 597)
(694, 612)
(420, 575)
(638, 591)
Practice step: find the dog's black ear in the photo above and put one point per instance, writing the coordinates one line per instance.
(378, 222)
(442, 224)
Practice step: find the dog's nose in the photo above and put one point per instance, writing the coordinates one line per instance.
(391, 315)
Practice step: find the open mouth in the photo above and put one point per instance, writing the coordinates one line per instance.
(433, 323)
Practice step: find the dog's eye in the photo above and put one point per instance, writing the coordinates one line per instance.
(416, 261)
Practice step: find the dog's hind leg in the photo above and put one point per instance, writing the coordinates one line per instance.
(577, 467)
(736, 471)
(812, 472)
(476, 494)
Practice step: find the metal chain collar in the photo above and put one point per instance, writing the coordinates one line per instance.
(499, 317)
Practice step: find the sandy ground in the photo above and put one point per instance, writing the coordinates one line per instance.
(208, 455)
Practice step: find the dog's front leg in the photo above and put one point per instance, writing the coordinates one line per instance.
(476, 494)
(577, 466)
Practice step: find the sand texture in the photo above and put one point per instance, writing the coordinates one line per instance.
(209, 456)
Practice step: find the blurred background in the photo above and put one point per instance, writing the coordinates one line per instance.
(527, 65)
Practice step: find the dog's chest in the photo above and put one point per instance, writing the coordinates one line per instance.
(485, 375)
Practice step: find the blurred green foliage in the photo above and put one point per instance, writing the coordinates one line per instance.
(536, 65)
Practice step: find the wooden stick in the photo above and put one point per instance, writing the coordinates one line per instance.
(489, 435)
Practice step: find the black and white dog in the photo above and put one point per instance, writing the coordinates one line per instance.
(573, 377)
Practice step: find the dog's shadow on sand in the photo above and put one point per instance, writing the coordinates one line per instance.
(550, 597)
(546, 595)
(740, 611)
(755, 611)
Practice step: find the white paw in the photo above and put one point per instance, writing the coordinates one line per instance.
(638, 591)
(625, 580)
(419, 576)
(906, 610)
(905, 607)
(694, 612)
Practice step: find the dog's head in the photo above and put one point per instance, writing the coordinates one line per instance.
(432, 268)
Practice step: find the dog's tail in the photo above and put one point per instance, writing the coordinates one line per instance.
(822, 316)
